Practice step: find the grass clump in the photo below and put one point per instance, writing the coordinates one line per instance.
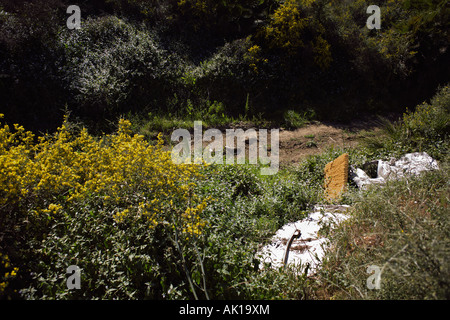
(293, 119)
(404, 229)
(427, 128)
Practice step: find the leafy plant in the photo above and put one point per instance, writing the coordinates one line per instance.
(403, 229)
(294, 120)
(111, 64)
(424, 129)
(84, 201)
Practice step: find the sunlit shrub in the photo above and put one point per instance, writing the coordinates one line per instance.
(427, 128)
(112, 65)
(430, 120)
(294, 29)
(120, 170)
(55, 187)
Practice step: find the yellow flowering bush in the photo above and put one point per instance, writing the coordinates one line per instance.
(194, 223)
(115, 205)
(322, 53)
(254, 58)
(119, 171)
(7, 273)
(287, 27)
(294, 29)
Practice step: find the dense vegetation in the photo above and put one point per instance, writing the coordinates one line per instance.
(141, 227)
(102, 193)
(404, 228)
(220, 60)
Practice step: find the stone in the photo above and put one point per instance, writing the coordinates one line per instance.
(336, 177)
(384, 170)
(410, 164)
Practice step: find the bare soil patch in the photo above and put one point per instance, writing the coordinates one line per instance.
(313, 139)
(296, 145)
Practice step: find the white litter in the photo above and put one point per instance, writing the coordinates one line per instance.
(309, 249)
(409, 165)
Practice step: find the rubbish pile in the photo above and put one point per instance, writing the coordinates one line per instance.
(308, 249)
(300, 242)
(408, 165)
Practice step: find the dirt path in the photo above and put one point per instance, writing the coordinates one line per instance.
(313, 139)
(296, 145)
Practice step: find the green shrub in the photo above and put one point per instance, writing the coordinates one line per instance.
(430, 121)
(112, 66)
(427, 128)
(113, 206)
(247, 209)
(294, 120)
(402, 228)
(227, 77)
(31, 92)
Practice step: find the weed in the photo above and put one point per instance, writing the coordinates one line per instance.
(402, 228)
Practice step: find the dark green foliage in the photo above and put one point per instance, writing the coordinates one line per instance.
(30, 89)
(226, 76)
(113, 67)
(169, 56)
(427, 128)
